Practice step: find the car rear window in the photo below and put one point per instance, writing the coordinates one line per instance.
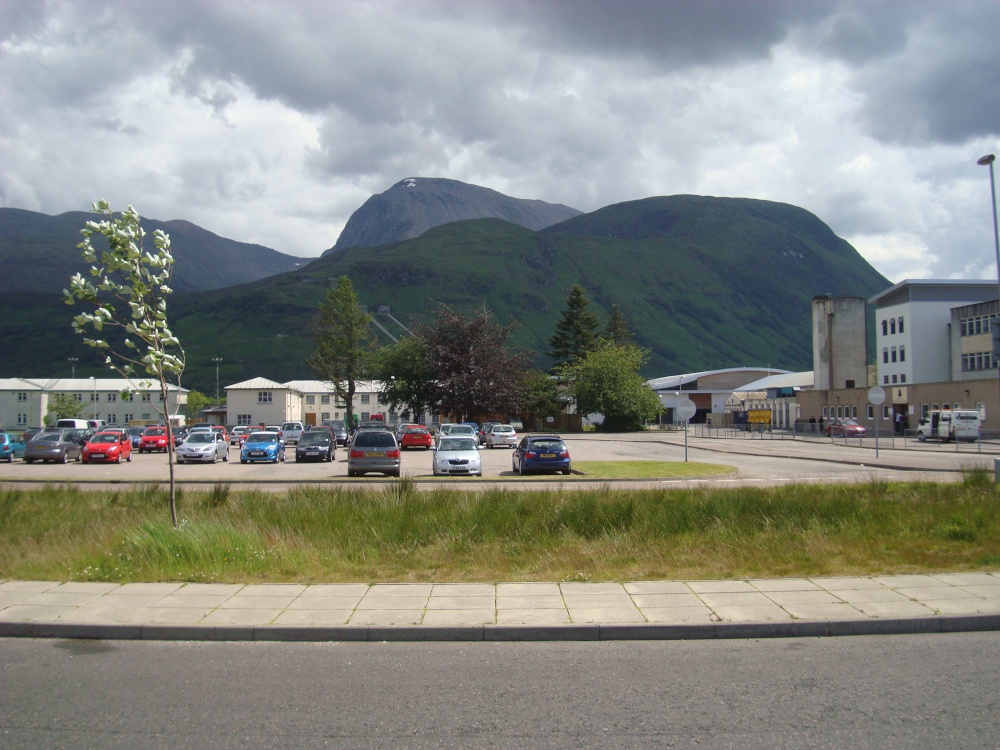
(375, 440)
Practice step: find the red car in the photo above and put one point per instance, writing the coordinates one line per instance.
(844, 428)
(153, 439)
(416, 437)
(108, 447)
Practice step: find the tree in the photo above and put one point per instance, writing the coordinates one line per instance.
(344, 342)
(471, 368)
(402, 368)
(576, 331)
(607, 381)
(128, 295)
(541, 396)
(616, 330)
(64, 406)
(196, 401)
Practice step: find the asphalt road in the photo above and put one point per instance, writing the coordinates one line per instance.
(918, 691)
(754, 461)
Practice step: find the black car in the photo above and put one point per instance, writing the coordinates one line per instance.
(316, 445)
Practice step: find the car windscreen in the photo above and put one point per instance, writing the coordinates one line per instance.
(315, 438)
(103, 437)
(458, 444)
(262, 437)
(200, 437)
(462, 429)
(375, 440)
(155, 431)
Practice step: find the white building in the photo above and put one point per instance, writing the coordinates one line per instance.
(25, 402)
(776, 393)
(708, 390)
(260, 401)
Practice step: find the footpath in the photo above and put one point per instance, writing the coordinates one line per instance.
(640, 610)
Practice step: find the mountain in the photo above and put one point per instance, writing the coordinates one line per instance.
(412, 206)
(704, 282)
(43, 248)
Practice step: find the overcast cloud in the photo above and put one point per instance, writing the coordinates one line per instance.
(271, 122)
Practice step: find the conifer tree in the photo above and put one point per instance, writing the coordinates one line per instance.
(576, 331)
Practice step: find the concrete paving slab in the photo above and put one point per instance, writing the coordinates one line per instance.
(257, 616)
(463, 589)
(401, 589)
(987, 592)
(272, 589)
(533, 617)
(844, 583)
(783, 584)
(50, 598)
(135, 589)
(325, 602)
(784, 598)
(387, 617)
(615, 615)
(528, 589)
(172, 615)
(335, 589)
(591, 588)
(239, 601)
(607, 601)
(721, 587)
(314, 617)
(861, 596)
(895, 609)
(679, 615)
(751, 613)
(85, 587)
(35, 586)
(824, 611)
(656, 587)
(937, 592)
(481, 616)
(975, 606)
(960, 579)
(208, 589)
(9, 598)
(530, 602)
(911, 582)
(178, 601)
(657, 601)
(35, 612)
(736, 599)
(392, 602)
(111, 609)
(457, 603)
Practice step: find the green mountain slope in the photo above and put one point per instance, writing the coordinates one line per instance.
(704, 282)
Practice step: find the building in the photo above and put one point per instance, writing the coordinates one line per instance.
(779, 394)
(25, 402)
(260, 401)
(708, 390)
(840, 342)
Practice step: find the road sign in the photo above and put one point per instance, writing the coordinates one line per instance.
(876, 395)
(686, 409)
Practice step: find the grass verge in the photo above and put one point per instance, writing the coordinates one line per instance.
(396, 533)
(649, 469)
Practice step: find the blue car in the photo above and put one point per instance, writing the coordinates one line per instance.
(541, 453)
(11, 445)
(263, 446)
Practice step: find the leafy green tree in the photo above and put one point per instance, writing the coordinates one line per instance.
(127, 290)
(344, 342)
(405, 376)
(617, 330)
(64, 406)
(576, 331)
(196, 401)
(541, 396)
(472, 370)
(607, 381)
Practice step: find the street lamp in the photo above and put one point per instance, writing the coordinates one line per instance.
(217, 360)
(72, 363)
(987, 161)
(93, 398)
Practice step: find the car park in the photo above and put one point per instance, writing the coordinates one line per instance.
(53, 445)
(458, 456)
(416, 437)
(501, 435)
(107, 446)
(373, 450)
(316, 445)
(265, 445)
(844, 428)
(153, 439)
(203, 445)
(11, 446)
(541, 453)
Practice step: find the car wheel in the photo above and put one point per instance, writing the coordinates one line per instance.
(243, 460)
(118, 458)
(567, 472)
(394, 473)
(350, 473)
(64, 458)
(29, 460)
(225, 457)
(520, 468)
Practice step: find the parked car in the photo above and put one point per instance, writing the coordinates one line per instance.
(236, 433)
(203, 445)
(107, 446)
(416, 437)
(404, 427)
(136, 434)
(460, 430)
(458, 456)
(316, 445)
(11, 446)
(502, 435)
(373, 450)
(541, 453)
(844, 428)
(339, 429)
(484, 431)
(153, 439)
(53, 445)
(263, 446)
(292, 431)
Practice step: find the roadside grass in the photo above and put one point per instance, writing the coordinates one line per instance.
(649, 469)
(394, 532)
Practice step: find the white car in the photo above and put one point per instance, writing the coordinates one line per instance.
(457, 456)
(203, 445)
(503, 435)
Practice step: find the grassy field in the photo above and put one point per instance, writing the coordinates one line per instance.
(397, 533)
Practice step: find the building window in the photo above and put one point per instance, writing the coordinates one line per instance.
(324, 399)
(894, 381)
(264, 397)
(924, 408)
(366, 399)
(870, 412)
(893, 354)
(94, 397)
(892, 325)
(112, 397)
(22, 419)
(22, 396)
(854, 411)
(956, 406)
(885, 355)
(325, 415)
(393, 416)
(310, 400)
(886, 412)
(244, 419)
(145, 417)
(365, 415)
(902, 353)
(112, 419)
(885, 327)
(127, 396)
(145, 399)
(900, 326)
(885, 380)
(902, 378)
(128, 418)
(78, 396)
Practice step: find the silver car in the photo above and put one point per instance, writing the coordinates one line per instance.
(503, 435)
(203, 445)
(373, 450)
(458, 456)
(54, 445)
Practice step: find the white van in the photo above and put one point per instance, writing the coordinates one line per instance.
(949, 424)
(292, 431)
(72, 424)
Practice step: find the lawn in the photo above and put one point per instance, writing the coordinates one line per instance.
(395, 532)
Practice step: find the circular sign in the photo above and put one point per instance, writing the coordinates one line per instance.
(876, 395)
(686, 409)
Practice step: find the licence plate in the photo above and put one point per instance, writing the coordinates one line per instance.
(375, 454)
(97, 455)
(546, 455)
(257, 453)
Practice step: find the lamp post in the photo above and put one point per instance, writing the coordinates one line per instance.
(72, 363)
(987, 161)
(217, 360)
(93, 398)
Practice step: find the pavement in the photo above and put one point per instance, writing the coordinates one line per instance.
(637, 610)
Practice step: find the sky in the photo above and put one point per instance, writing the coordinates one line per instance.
(272, 122)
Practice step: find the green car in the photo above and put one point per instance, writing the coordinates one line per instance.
(11, 446)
